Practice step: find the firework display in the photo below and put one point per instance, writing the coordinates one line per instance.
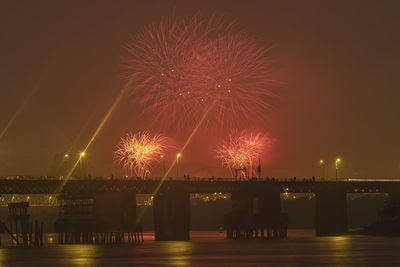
(180, 69)
(137, 152)
(241, 152)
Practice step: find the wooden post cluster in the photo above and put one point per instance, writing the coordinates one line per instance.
(101, 237)
(22, 231)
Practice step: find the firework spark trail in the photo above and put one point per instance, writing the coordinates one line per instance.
(198, 71)
(181, 67)
(196, 128)
(136, 152)
(242, 151)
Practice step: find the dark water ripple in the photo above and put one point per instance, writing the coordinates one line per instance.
(301, 248)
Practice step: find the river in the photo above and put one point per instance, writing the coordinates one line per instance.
(209, 248)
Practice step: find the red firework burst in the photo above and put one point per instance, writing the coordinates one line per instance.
(181, 70)
(242, 152)
(136, 152)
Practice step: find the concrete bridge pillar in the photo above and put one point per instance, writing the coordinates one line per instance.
(269, 216)
(330, 208)
(394, 191)
(256, 213)
(242, 202)
(171, 215)
(265, 200)
(269, 202)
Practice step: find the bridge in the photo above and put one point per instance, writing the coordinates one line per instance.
(85, 186)
(260, 198)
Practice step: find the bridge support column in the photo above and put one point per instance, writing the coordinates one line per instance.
(269, 216)
(242, 202)
(394, 191)
(269, 202)
(256, 214)
(240, 221)
(330, 209)
(171, 215)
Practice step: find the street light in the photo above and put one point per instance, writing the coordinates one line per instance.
(338, 160)
(81, 163)
(66, 156)
(177, 164)
(322, 162)
(163, 159)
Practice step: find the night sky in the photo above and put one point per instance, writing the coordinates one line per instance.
(338, 63)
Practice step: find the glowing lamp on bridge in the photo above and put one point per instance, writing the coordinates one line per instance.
(66, 156)
(82, 154)
(177, 163)
(163, 159)
(338, 160)
(322, 162)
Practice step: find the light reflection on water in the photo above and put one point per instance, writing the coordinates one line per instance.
(178, 253)
(81, 255)
(210, 248)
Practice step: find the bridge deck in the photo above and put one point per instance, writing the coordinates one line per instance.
(89, 187)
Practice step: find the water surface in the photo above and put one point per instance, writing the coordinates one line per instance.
(301, 248)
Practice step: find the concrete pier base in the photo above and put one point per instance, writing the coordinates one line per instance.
(256, 214)
(330, 209)
(171, 216)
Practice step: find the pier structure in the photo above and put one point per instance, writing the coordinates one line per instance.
(101, 218)
(22, 231)
(171, 215)
(256, 214)
(330, 209)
